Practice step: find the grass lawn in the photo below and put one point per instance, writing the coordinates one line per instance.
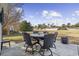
(72, 34)
(13, 38)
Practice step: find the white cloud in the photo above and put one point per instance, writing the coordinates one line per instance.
(76, 13)
(55, 14)
(45, 13)
(73, 14)
(57, 22)
(49, 14)
(31, 16)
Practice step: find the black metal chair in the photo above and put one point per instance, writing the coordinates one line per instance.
(28, 43)
(54, 36)
(56, 33)
(35, 32)
(48, 43)
(4, 41)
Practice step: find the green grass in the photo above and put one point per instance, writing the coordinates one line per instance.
(13, 38)
(72, 34)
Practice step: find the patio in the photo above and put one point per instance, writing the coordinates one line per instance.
(17, 49)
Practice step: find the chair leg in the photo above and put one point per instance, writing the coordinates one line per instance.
(1, 46)
(54, 46)
(9, 44)
(42, 52)
(51, 52)
(32, 50)
(0, 53)
(26, 49)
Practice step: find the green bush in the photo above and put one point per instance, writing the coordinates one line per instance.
(62, 28)
(4, 31)
(14, 33)
(25, 26)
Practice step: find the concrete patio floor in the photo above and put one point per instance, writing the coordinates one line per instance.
(61, 50)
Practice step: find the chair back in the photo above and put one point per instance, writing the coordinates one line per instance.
(35, 32)
(27, 39)
(48, 41)
(55, 36)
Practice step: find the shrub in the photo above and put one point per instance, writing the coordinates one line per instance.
(4, 31)
(25, 26)
(62, 28)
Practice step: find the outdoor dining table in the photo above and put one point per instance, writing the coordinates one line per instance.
(37, 37)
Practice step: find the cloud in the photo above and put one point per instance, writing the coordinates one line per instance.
(76, 13)
(57, 22)
(50, 14)
(45, 13)
(31, 16)
(73, 14)
(55, 14)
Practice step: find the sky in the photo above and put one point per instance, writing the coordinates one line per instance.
(48, 13)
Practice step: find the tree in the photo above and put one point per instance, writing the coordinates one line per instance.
(48, 25)
(35, 26)
(52, 25)
(63, 27)
(42, 26)
(12, 15)
(68, 24)
(39, 26)
(25, 26)
(77, 25)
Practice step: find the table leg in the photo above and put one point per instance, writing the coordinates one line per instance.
(9, 44)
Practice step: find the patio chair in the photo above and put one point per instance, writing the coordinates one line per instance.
(35, 32)
(48, 43)
(28, 43)
(54, 36)
(4, 41)
(56, 33)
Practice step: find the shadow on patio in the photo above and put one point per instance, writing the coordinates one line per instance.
(61, 50)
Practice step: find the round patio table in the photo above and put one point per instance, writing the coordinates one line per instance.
(37, 37)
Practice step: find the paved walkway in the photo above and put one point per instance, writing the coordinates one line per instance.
(62, 50)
